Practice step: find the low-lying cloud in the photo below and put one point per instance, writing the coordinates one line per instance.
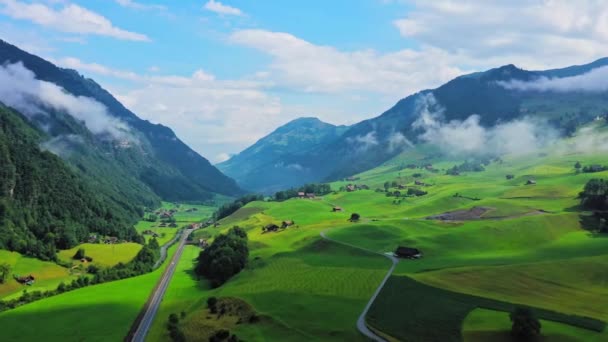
(596, 80)
(20, 89)
(470, 138)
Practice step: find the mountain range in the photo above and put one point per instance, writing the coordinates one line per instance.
(487, 99)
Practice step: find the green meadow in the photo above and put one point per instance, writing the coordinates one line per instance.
(102, 312)
(48, 274)
(104, 255)
(528, 247)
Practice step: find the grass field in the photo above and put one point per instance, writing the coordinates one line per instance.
(48, 274)
(102, 312)
(105, 255)
(514, 253)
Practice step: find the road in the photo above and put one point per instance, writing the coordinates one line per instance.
(361, 325)
(156, 298)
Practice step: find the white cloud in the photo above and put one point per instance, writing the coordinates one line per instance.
(469, 138)
(531, 34)
(69, 18)
(218, 7)
(140, 6)
(20, 89)
(314, 68)
(595, 80)
(222, 157)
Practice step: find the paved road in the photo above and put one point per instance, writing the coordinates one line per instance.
(156, 298)
(361, 325)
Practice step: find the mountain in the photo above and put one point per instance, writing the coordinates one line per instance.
(44, 205)
(369, 143)
(126, 159)
(260, 168)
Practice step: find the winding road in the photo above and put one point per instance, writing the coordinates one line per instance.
(156, 297)
(361, 325)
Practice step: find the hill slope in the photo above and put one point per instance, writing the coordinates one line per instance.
(258, 167)
(43, 204)
(147, 160)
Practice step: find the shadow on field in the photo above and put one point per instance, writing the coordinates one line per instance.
(411, 311)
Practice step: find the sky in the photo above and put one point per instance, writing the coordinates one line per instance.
(222, 74)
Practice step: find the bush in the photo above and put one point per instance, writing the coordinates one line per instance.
(354, 217)
(525, 325)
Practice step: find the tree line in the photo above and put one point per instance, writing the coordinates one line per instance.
(313, 188)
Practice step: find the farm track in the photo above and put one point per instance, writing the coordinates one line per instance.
(361, 325)
(144, 323)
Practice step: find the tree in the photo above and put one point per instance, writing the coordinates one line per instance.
(80, 254)
(173, 318)
(595, 195)
(525, 325)
(5, 270)
(387, 185)
(226, 257)
(578, 166)
(354, 217)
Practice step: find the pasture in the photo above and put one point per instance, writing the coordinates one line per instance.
(105, 255)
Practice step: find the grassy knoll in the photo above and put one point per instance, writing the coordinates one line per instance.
(409, 310)
(103, 254)
(48, 275)
(489, 325)
(102, 312)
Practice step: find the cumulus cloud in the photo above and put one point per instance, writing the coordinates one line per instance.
(20, 89)
(220, 8)
(470, 138)
(596, 80)
(532, 34)
(70, 18)
(140, 6)
(304, 66)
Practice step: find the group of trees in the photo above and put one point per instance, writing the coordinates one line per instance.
(524, 324)
(467, 166)
(225, 257)
(5, 271)
(142, 263)
(595, 195)
(44, 205)
(313, 188)
(176, 334)
(230, 208)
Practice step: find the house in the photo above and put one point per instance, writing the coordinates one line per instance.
(202, 243)
(350, 188)
(408, 252)
(92, 238)
(337, 209)
(510, 176)
(270, 228)
(286, 224)
(110, 240)
(429, 167)
(417, 182)
(301, 194)
(27, 280)
(162, 225)
(310, 195)
(531, 182)
(401, 186)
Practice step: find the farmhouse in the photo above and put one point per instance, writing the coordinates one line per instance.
(27, 280)
(408, 252)
(202, 243)
(510, 176)
(301, 194)
(111, 240)
(286, 224)
(531, 182)
(337, 209)
(350, 188)
(270, 228)
(417, 182)
(310, 195)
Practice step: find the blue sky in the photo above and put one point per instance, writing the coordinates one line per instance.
(224, 73)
